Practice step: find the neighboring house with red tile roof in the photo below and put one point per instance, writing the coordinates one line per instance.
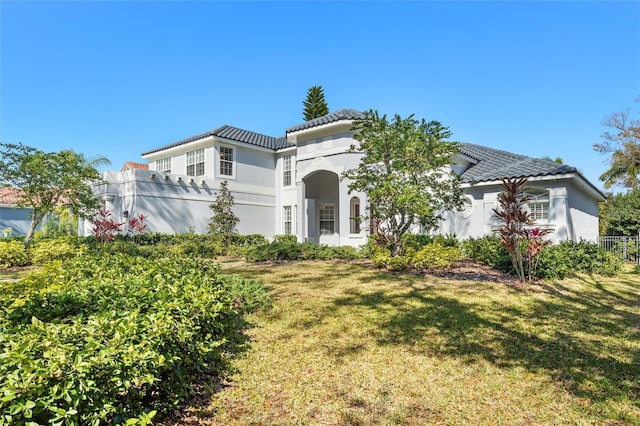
(11, 216)
(9, 196)
(130, 165)
(291, 185)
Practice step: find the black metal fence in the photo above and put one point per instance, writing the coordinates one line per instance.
(628, 248)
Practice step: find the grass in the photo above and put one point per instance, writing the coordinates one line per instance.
(347, 345)
(12, 274)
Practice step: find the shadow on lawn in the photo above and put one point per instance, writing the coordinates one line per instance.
(563, 333)
(443, 326)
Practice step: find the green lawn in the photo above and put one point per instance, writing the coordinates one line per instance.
(13, 274)
(348, 345)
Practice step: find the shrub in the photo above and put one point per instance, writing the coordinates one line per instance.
(249, 240)
(380, 256)
(274, 251)
(488, 250)
(398, 263)
(415, 241)
(108, 338)
(248, 295)
(287, 249)
(285, 239)
(43, 251)
(448, 240)
(12, 253)
(436, 256)
(560, 260)
(553, 263)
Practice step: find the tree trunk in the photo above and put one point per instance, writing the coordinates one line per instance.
(32, 230)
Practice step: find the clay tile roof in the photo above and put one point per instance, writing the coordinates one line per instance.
(494, 164)
(9, 196)
(234, 134)
(343, 114)
(132, 165)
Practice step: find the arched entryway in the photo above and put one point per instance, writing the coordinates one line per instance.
(322, 206)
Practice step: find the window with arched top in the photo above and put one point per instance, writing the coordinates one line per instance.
(354, 215)
(538, 204)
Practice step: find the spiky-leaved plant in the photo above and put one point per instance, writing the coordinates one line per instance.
(522, 241)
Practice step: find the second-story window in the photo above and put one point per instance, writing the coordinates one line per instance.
(226, 161)
(286, 171)
(163, 165)
(195, 163)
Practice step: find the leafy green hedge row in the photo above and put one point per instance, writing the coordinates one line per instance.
(12, 252)
(287, 249)
(113, 338)
(555, 262)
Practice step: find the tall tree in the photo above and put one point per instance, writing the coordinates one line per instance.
(620, 214)
(623, 143)
(47, 179)
(405, 172)
(315, 105)
(223, 222)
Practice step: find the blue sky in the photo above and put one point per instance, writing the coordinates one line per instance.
(119, 78)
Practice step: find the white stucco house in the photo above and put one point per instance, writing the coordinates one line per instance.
(14, 220)
(291, 185)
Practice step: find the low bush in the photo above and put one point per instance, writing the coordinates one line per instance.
(415, 241)
(249, 240)
(12, 253)
(561, 260)
(488, 250)
(436, 256)
(554, 262)
(61, 248)
(248, 295)
(398, 263)
(113, 338)
(274, 251)
(285, 248)
(379, 256)
(285, 239)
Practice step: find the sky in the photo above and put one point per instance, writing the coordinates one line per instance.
(118, 78)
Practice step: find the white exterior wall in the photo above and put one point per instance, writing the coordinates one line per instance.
(286, 195)
(327, 153)
(180, 203)
(573, 214)
(583, 215)
(17, 219)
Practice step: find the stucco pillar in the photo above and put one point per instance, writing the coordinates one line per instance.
(560, 216)
(301, 229)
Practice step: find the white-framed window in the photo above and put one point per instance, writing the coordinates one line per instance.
(286, 171)
(195, 162)
(287, 220)
(226, 161)
(538, 204)
(326, 214)
(354, 215)
(163, 165)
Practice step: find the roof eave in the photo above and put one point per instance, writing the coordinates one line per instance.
(173, 149)
(293, 137)
(577, 176)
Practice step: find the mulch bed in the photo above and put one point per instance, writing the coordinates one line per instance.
(470, 270)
